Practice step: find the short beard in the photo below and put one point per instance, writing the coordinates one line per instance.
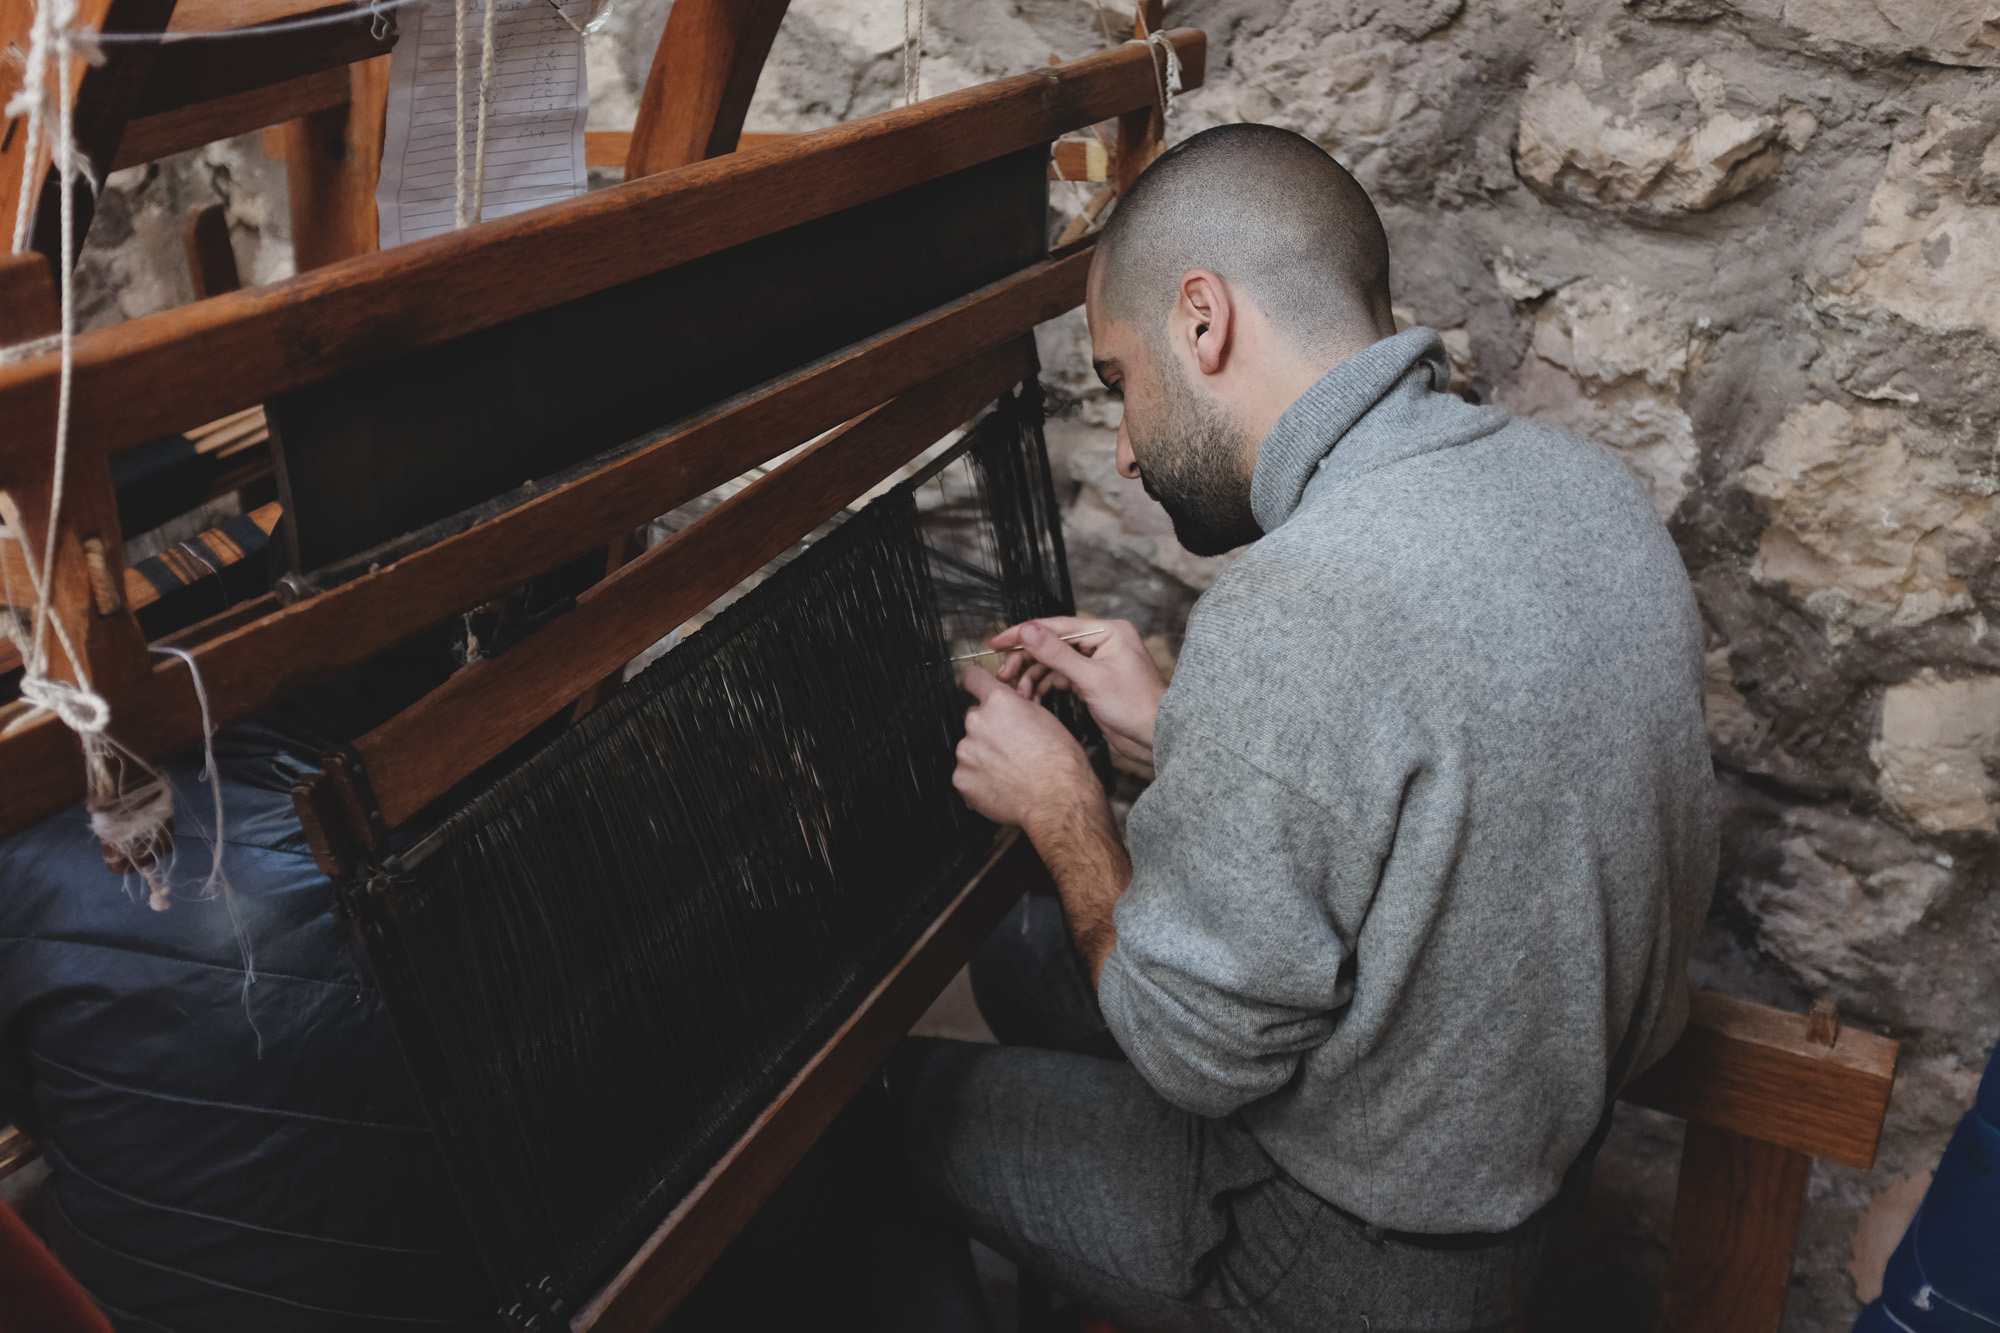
(1191, 463)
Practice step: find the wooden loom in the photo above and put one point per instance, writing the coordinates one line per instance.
(1763, 1091)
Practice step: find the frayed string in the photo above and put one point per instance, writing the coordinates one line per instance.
(217, 883)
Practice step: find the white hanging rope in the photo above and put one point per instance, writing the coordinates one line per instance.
(913, 51)
(1169, 75)
(469, 190)
(485, 101)
(460, 214)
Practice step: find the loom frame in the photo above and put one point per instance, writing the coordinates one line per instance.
(139, 380)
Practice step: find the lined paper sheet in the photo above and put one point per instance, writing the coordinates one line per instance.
(534, 123)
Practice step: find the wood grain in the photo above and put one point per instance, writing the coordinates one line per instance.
(135, 380)
(673, 1259)
(1736, 1223)
(251, 663)
(427, 749)
(1756, 1071)
(704, 71)
(332, 160)
(28, 299)
(609, 148)
(149, 138)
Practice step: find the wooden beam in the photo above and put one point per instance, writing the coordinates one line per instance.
(701, 1226)
(29, 306)
(610, 148)
(1080, 160)
(83, 582)
(186, 74)
(134, 380)
(1142, 131)
(333, 158)
(211, 258)
(150, 138)
(427, 749)
(1736, 1224)
(252, 663)
(1756, 1071)
(704, 72)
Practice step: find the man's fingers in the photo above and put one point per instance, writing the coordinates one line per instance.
(1058, 625)
(979, 683)
(1048, 648)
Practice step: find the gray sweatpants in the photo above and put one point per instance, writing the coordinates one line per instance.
(1056, 1153)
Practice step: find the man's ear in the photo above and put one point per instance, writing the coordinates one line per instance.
(1210, 318)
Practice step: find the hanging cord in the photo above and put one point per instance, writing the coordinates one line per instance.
(1169, 75)
(217, 883)
(469, 204)
(134, 824)
(913, 51)
(460, 214)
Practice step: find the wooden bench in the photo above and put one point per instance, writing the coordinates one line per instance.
(1763, 1091)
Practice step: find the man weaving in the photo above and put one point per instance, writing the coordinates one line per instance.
(1431, 835)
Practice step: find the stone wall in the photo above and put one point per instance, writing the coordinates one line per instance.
(1752, 245)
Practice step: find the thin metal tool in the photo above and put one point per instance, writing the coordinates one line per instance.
(996, 652)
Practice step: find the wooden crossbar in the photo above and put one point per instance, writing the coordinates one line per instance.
(1755, 1071)
(1763, 1093)
(254, 662)
(424, 751)
(694, 1235)
(132, 381)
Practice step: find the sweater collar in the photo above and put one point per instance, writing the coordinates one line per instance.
(1409, 365)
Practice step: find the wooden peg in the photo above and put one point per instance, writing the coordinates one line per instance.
(1823, 1024)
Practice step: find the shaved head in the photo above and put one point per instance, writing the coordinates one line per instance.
(1271, 213)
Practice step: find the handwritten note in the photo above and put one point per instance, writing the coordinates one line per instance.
(534, 122)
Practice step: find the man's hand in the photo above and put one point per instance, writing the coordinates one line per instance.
(1018, 765)
(1111, 671)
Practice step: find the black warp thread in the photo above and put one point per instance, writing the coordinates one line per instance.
(608, 962)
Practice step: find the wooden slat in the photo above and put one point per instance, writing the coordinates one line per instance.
(227, 15)
(211, 258)
(134, 381)
(251, 665)
(28, 301)
(186, 74)
(150, 138)
(424, 751)
(1736, 1223)
(1081, 160)
(610, 148)
(673, 1259)
(1754, 1071)
(16, 1150)
(698, 89)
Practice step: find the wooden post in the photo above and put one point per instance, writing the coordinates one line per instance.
(211, 258)
(103, 97)
(1736, 1223)
(333, 159)
(1142, 133)
(699, 88)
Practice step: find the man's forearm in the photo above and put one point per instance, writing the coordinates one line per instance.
(1081, 848)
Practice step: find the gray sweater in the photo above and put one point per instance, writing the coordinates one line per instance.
(1433, 828)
